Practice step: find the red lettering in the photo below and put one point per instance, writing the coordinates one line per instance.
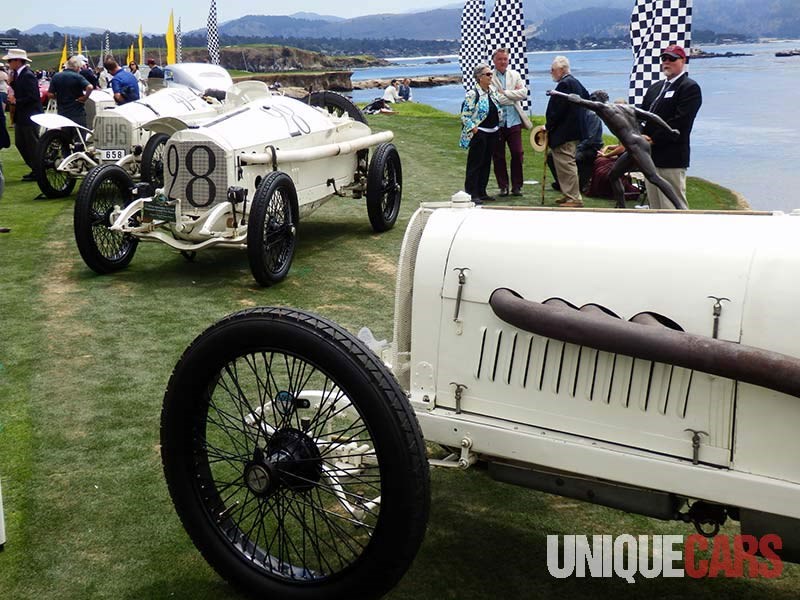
(694, 543)
(767, 546)
(721, 561)
(745, 548)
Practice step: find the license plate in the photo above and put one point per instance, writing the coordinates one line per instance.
(162, 210)
(112, 154)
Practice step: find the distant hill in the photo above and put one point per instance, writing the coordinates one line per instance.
(775, 18)
(429, 25)
(588, 22)
(546, 20)
(48, 28)
(315, 17)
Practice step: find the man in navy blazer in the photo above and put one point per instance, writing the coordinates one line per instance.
(676, 100)
(563, 126)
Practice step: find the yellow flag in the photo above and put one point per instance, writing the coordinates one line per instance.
(171, 56)
(141, 46)
(63, 55)
(80, 45)
(129, 59)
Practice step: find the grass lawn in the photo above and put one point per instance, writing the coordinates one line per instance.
(84, 361)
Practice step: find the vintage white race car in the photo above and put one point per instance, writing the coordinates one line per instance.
(242, 180)
(647, 361)
(67, 152)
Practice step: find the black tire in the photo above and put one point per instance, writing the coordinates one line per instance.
(336, 104)
(248, 458)
(54, 146)
(272, 228)
(384, 187)
(153, 160)
(103, 251)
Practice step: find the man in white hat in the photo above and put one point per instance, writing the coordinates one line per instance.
(28, 102)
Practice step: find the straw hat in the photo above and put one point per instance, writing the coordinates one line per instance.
(18, 54)
(539, 138)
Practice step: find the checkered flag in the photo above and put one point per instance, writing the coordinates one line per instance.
(107, 46)
(70, 49)
(473, 40)
(213, 34)
(507, 30)
(656, 24)
(178, 43)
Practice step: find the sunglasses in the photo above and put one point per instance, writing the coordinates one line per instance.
(489, 73)
(667, 58)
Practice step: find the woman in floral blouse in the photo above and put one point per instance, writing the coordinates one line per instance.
(480, 120)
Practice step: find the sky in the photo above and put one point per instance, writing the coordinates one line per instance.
(153, 15)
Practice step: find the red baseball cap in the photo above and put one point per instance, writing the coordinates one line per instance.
(674, 51)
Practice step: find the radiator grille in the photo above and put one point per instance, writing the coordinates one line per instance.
(195, 173)
(112, 132)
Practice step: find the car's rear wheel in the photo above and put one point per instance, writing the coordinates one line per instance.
(272, 228)
(293, 458)
(104, 188)
(384, 187)
(153, 160)
(53, 147)
(336, 104)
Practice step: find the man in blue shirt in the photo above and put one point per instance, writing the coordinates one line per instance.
(123, 83)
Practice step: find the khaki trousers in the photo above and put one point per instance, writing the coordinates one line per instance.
(676, 178)
(567, 170)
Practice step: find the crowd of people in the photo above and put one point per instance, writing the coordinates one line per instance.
(654, 138)
(24, 92)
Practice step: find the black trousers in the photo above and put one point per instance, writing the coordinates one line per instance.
(479, 163)
(27, 138)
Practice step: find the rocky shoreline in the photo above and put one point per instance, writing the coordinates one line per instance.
(416, 82)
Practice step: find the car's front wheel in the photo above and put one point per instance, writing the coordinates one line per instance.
(384, 187)
(153, 159)
(104, 188)
(272, 228)
(294, 459)
(53, 147)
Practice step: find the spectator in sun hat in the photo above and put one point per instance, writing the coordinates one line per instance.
(28, 102)
(676, 99)
(87, 71)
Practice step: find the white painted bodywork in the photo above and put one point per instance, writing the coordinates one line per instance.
(315, 148)
(559, 406)
(118, 133)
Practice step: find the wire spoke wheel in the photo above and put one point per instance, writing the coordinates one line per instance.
(153, 159)
(384, 187)
(272, 228)
(293, 458)
(53, 147)
(105, 189)
(336, 104)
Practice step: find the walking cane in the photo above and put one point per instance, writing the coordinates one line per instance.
(544, 167)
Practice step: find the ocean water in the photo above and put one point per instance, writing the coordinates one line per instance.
(746, 136)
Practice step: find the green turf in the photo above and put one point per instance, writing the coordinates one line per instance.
(84, 362)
